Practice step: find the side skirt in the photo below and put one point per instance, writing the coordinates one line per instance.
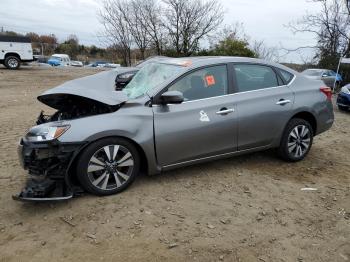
(211, 158)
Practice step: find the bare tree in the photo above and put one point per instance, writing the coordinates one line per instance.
(151, 12)
(264, 52)
(117, 28)
(187, 22)
(141, 23)
(234, 31)
(136, 20)
(331, 27)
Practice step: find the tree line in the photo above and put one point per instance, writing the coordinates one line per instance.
(331, 29)
(174, 28)
(136, 29)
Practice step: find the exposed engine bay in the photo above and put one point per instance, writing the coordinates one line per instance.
(71, 107)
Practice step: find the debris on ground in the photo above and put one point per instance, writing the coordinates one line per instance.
(172, 245)
(308, 189)
(68, 220)
(92, 236)
(210, 226)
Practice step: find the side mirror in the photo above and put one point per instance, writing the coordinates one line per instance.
(324, 75)
(171, 97)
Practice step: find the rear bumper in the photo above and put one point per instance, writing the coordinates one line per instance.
(47, 164)
(324, 117)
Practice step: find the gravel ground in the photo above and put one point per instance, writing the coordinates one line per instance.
(248, 208)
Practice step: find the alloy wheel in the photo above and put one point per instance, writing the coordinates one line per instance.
(299, 141)
(12, 62)
(110, 167)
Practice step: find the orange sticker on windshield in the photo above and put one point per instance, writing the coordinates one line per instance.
(210, 80)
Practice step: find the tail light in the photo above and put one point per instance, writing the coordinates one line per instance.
(327, 91)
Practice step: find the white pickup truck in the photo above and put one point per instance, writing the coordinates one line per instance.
(14, 50)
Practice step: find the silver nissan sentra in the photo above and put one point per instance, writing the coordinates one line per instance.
(174, 112)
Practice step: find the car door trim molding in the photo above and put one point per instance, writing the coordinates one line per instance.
(219, 156)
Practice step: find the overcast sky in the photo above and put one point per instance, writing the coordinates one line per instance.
(263, 20)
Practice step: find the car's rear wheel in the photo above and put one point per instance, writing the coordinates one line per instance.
(108, 166)
(12, 62)
(296, 140)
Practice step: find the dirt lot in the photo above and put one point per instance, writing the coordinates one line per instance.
(247, 208)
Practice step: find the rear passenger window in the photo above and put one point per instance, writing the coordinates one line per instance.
(287, 77)
(254, 77)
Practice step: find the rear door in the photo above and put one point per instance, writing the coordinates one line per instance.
(264, 103)
(204, 125)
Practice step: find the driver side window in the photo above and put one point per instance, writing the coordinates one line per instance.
(204, 83)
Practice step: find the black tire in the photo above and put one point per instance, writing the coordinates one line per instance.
(342, 108)
(12, 62)
(96, 151)
(286, 150)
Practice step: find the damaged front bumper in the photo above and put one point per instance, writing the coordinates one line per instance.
(48, 164)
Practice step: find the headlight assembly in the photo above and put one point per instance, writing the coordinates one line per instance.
(47, 133)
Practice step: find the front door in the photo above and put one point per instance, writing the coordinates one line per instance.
(204, 125)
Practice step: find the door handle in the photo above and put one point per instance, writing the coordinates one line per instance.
(225, 111)
(283, 102)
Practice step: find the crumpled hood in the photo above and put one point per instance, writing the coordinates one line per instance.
(99, 87)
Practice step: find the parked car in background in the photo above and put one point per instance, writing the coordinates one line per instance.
(59, 60)
(343, 99)
(76, 63)
(97, 64)
(111, 65)
(125, 75)
(174, 112)
(14, 50)
(329, 77)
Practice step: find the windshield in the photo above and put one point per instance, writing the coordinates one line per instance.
(150, 76)
(312, 72)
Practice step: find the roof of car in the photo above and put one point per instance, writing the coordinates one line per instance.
(316, 69)
(208, 60)
(60, 55)
(191, 63)
(196, 61)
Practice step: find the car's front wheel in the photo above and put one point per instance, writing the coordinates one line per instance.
(12, 62)
(108, 166)
(296, 140)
